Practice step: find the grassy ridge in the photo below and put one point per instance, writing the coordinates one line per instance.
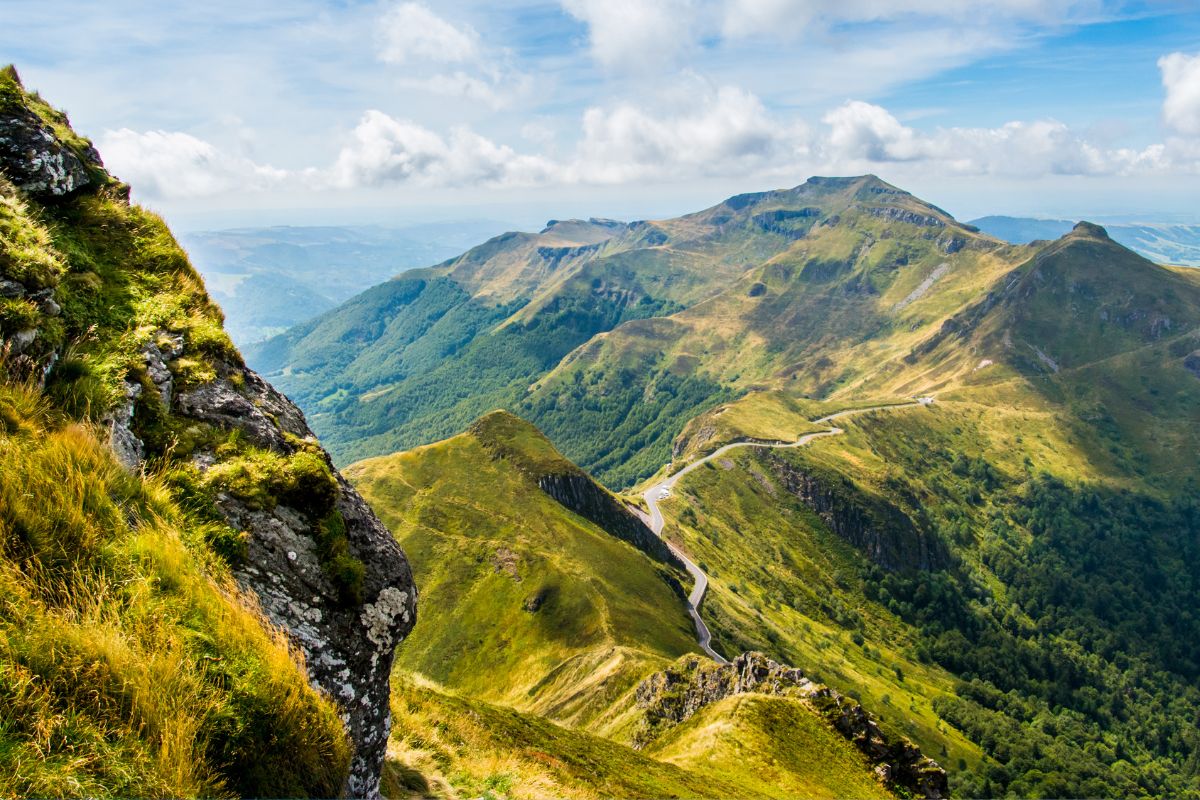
(516, 587)
(449, 746)
(533, 618)
(772, 746)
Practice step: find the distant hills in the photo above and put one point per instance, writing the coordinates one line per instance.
(1163, 242)
(269, 279)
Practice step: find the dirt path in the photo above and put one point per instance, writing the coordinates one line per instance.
(662, 490)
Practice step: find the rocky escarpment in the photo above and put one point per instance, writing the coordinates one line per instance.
(122, 308)
(670, 697)
(586, 498)
(511, 438)
(879, 530)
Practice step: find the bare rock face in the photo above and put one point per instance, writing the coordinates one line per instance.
(672, 696)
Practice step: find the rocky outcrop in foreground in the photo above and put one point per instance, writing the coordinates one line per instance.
(670, 697)
(300, 538)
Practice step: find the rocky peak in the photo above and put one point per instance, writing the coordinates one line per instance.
(32, 154)
(1089, 229)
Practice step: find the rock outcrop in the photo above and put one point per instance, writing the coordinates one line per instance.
(879, 530)
(321, 564)
(35, 159)
(670, 697)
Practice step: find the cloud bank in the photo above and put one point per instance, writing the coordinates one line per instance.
(708, 131)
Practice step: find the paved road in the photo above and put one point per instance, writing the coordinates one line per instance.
(663, 488)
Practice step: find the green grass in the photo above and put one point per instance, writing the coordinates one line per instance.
(130, 665)
(519, 593)
(773, 746)
(447, 746)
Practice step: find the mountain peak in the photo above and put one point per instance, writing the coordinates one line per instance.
(1089, 229)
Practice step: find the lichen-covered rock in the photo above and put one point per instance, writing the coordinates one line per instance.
(670, 697)
(36, 161)
(348, 646)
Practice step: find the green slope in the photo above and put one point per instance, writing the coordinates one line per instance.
(419, 357)
(534, 618)
(523, 598)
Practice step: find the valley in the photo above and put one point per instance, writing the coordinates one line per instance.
(813, 492)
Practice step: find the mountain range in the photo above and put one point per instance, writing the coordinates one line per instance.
(931, 495)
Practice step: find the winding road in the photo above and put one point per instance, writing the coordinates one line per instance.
(662, 490)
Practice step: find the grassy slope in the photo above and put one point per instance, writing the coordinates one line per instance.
(773, 746)
(484, 542)
(129, 663)
(487, 546)
(447, 746)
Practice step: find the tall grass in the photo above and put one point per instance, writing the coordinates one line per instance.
(130, 665)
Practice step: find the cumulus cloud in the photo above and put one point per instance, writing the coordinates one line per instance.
(862, 133)
(411, 32)
(384, 150)
(725, 132)
(634, 33)
(450, 60)
(170, 164)
(1181, 79)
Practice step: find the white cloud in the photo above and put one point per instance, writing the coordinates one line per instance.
(632, 34)
(1181, 79)
(425, 45)
(410, 32)
(725, 132)
(863, 134)
(170, 164)
(383, 150)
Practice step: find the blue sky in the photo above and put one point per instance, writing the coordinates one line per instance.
(251, 112)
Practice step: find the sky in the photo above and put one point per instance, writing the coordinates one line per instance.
(249, 112)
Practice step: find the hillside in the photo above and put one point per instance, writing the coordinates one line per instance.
(270, 279)
(195, 602)
(542, 628)
(422, 356)
(1004, 574)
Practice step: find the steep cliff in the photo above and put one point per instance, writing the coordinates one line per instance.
(101, 313)
(882, 532)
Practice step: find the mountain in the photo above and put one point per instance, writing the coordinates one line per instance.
(548, 627)
(1162, 242)
(1005, 574)
(195, 601)
(270, 279)
(423, 355)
